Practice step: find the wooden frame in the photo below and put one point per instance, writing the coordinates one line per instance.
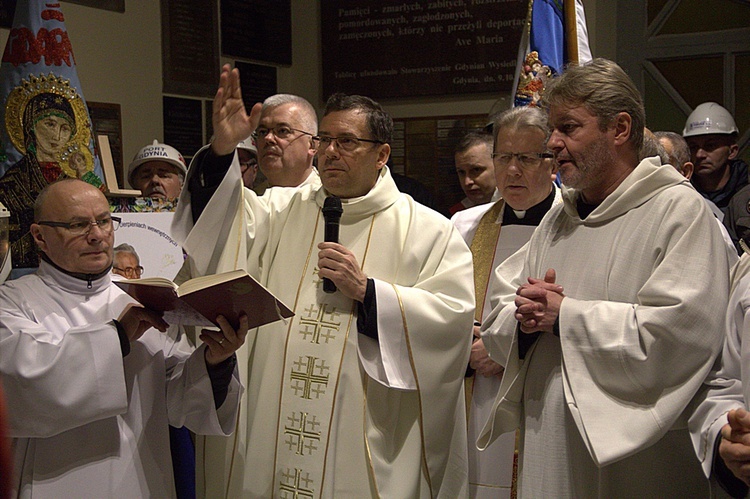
(106, 119)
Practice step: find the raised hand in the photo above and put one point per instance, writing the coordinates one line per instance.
(230, 120)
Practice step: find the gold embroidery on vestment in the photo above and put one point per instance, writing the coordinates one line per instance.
(291, 484)
(319, 322)
(305, 380)
(302, 434)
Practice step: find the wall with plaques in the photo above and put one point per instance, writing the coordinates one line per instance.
(190, 47)
(119, 61)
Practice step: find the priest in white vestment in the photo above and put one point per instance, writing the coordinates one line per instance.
(617, 314)
(360, 394)
(91, 384)
(524, 171)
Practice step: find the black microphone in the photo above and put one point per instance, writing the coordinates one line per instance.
(332, 211)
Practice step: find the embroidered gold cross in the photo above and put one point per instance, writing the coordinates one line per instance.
(302, 434)
(305, 379)
(290, 486)
(316, 277)
(319, 323)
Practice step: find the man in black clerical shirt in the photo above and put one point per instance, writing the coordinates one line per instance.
(524, 172)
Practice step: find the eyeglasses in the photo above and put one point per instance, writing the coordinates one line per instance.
(348, 144)
(526, 160)
(130, 271)
(279, 131)
(108, 224)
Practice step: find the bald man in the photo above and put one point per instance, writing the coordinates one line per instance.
(90, 378)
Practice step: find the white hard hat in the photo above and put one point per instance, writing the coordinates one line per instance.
(157, 152)
(709, 118)
(248, 144)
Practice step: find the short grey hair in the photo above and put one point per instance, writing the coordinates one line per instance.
(308, 116)
(521, 117)
(680, 149)
(126, 248)
(652, 147)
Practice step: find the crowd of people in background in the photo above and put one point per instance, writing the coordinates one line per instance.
(575, 329)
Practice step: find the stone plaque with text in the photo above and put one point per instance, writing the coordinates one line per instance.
(395, 49)
(258, 82)
(183, 125)
(190, 47)
(260, 30)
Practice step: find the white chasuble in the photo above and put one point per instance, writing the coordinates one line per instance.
(329, 412)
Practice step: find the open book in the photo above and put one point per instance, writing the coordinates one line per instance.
(199, 301)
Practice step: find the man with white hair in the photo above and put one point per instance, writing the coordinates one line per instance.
(523, 171)
(285, 142)
(126, 261)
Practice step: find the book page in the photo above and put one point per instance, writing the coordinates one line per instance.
(162, 282)
(208, 280)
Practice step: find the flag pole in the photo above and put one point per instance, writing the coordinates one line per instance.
(571, 30)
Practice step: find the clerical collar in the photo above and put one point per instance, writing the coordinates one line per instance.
(89, 278)
(532, 216)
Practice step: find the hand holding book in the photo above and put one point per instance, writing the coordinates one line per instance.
(199, 301)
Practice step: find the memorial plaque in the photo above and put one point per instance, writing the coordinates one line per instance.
(190, 47)
(394, 49)
(258, 82)
(183, 125)
(260, 30)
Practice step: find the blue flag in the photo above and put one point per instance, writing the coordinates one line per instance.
(46, 133)
(544, 47)
(548, 33)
